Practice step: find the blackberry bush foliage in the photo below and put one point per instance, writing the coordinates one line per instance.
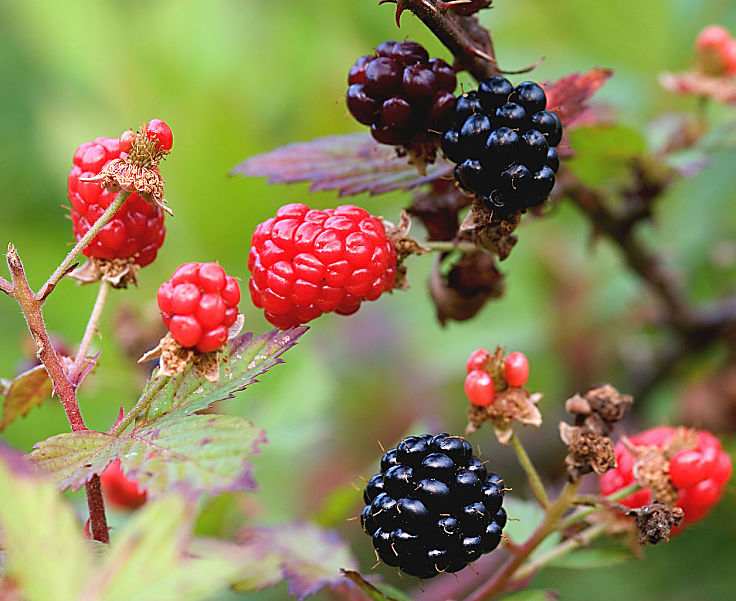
(433, 507)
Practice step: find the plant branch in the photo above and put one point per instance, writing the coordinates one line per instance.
(6, 286)
(469, 43)
(96, 505)
(68, 263)
(503, 578)
(603, 502)
(450, 246)
(90, 331)
(535, 482)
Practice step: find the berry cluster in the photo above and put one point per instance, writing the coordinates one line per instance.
(401, 93)
(136, 231)
(198, 305)
(503, 141)
(433, 508)
(699, 474)
(307, 262)
(119, 490)
(479, 385)
(716, 51)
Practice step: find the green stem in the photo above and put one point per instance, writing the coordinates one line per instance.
(570, 544)
(535, 482)
(139, 407)
(66, 264)
(90, 331)
(581, 514)
(450, 246)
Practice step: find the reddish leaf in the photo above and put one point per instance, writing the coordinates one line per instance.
(569, 95)
(28, 390)
(351, 164)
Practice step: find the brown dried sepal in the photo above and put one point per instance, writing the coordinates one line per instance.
(603, 401)
(120, 174)
(490, 231)
(437, 206)
(405, 246)
(174, 359)
(588, 451)
(654, 522)
(420, 151)
(508, 406)
(652, 471)
(118, 272)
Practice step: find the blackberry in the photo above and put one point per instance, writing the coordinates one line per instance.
(502, 139)
(406, 97)
(433, 507)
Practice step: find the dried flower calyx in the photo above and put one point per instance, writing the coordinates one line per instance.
(654, 522)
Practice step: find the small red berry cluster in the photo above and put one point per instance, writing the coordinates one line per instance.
(198, 305)
(119, 490)
(716, 51)
(699, 474)
(479, 385)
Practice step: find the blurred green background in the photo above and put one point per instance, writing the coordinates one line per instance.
(236, 78)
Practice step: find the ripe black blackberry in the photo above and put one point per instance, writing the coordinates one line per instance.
(433, 507)
(404, 96)
(503, 141)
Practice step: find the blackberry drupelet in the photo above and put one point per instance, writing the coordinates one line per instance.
(433, 507)
(404, 96)
(503, 141)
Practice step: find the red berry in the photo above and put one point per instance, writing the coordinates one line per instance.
(126, 140)
(477, 359)
(119, 490)
(729, 57)
(516, 369)
(712, 36)
(136, 231)
(479, 388)
(307, 262)
(699, 474)
(158, 130)
(198, 305)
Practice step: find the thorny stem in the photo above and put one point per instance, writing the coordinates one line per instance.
(90, 331)
(535, 482)
(139, 407)
(68, 261)
(469, 43)
(31, 306)
(506, 574)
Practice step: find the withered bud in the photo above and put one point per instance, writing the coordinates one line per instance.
(508, 406)
(589, 451)
(654, 522)
(119, 273)
(609, 403)
(652, 471)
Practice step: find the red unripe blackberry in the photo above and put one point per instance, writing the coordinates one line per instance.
(479, 388)
(433, 507)
(401, 93)
(477, 359)
(135, 232)
(198, 305)
(716, 51)
(305, 262)
(699, 474)
(516, 369)
(502, 139)
(159, 131)
(119, 490)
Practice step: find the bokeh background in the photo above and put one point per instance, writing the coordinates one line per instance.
(236, 78)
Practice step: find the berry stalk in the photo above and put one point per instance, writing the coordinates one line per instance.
(535, 482)
(90, 331)
(67, 263)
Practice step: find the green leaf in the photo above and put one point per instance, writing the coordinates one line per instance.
(243, 360)
(197, 453)
(592, 558)
(148, 559)
(308, 556)
(375, 591)
(45, 551)
(29, 389)
(73, 458)
(603, 152)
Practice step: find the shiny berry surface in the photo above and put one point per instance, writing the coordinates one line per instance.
(305, 262)
(479, 388)
(136, 231)
(477, 359)
(198, 305)
(158, 130)
(433, 508)
(516, 369)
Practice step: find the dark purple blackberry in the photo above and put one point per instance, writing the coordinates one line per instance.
(405, 97)
(433, 508)
(502, 140)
